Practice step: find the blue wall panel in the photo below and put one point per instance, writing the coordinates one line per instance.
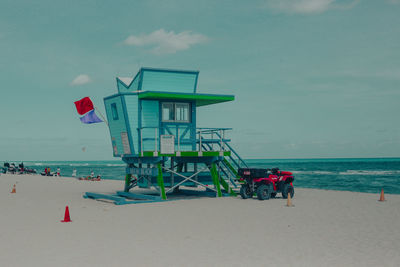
(116, 126)
(168, 81)
(150, 118)
(135, 84)
(123, 88)
(133, 118)
(150, 111)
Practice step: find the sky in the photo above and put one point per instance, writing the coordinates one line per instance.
(311, 78)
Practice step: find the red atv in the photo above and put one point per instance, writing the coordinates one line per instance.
(265, 182)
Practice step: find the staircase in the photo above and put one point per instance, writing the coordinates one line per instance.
(227, 168)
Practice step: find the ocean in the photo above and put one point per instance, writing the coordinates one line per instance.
(359, 175)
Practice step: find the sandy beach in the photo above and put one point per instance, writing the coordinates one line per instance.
(325, 228)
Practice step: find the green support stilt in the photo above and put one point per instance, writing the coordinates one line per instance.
(160, 182)
(225, 185)
(214, 175)
(127, 182)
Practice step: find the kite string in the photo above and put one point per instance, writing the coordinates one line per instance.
(101, 115)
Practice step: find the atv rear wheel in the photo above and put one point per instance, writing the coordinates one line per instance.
(287, 188)
(245, 191)
(263, 192)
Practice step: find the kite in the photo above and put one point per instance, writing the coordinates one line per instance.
(85, 107)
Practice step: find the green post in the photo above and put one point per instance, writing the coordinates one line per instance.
(214, 175)
(127, 182)
(225, 185)
(160, 182)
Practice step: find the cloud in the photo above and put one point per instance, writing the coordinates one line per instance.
(308, 6)
(164, 42)
(81, 79)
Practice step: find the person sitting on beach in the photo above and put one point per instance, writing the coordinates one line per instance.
(58, 172)
(98, 178)
(74, 173)
(90, 177)
(12, 169)
(21, 167)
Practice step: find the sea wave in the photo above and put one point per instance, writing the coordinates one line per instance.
(46, 164)
(315, 172)
(372, 172)
(350, 172)
(75, 164)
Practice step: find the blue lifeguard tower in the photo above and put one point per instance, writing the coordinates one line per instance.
(153, 128)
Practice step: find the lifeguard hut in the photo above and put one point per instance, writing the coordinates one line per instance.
(153, 128)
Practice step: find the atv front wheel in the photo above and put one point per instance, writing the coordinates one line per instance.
(245, 191)
(287, 188)
(263, 192)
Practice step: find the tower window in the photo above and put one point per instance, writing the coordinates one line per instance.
(114, 111)
(175, 112)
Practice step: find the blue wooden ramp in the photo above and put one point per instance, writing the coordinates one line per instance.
(123, 198)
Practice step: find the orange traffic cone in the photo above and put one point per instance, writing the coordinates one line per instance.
(14, 190)
(66, 215)
(382, 198)
(289, 201)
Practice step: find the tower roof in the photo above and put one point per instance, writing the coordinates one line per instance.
(127, 81)
(200, 99)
